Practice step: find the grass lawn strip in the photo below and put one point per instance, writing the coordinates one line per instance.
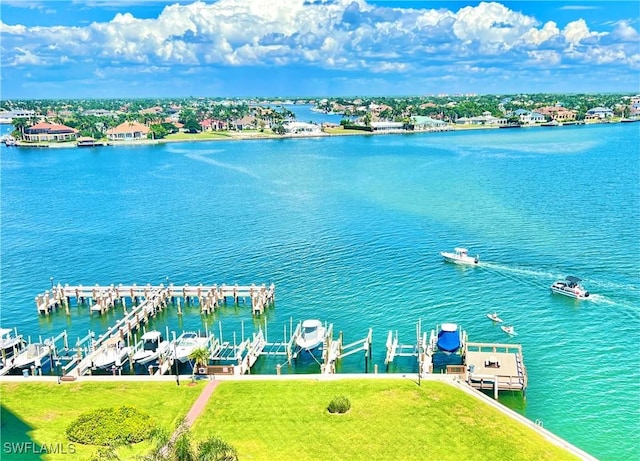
(388, 420)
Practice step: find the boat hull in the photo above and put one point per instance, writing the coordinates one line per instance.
(570, 293)
(462, 260)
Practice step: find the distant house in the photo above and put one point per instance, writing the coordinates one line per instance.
(245, 123)
(49, 132)
(599, 112)
(7, 116)
(128, 131)
(212, 124)
(387, 126)
(301, 128)
(531, 118)
(558, 113)
(422, 123)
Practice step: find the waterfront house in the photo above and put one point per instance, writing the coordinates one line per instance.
(301, 128)
(531, 118)
(559, 113)
(48, 132)
(599, 113)
(212, 124)
(128, 131)
(7, 116)
(423, 123)
(387, 126)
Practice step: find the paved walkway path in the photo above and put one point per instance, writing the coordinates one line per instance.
(192, 415)
(200, 403)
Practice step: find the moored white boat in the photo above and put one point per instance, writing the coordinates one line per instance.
(312, 334)
(114, 355)
(510, 330)
(460, 256)
(185, 344)
(10, 344)
(33, 355)
(153, 346)
(571, 287)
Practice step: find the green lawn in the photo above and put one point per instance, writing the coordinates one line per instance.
(287, 420)
(42, 412)
(388, 420)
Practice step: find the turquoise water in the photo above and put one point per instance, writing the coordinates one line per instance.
(350, 229)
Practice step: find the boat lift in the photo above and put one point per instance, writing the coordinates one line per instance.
(422, 350)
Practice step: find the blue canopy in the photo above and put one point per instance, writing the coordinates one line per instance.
(448, 341)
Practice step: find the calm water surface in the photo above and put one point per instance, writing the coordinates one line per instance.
(349, 229)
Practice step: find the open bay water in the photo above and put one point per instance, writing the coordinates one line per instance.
(350, 229)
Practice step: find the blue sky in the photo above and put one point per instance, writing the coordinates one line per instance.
(309, 48)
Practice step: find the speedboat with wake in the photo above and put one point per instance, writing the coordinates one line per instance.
(571, 287)
(460, 256)
(312, 335)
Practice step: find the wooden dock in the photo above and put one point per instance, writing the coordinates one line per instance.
(102, 298)
(496, 367)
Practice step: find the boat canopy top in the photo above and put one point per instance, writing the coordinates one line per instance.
(5, 331)
(448, 341)
(573, 279)
(461, 250)
(310, 325)
(151, 336)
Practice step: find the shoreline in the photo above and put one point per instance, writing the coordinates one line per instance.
(253, 136)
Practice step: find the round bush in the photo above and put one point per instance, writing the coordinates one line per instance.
(339, 404)
(111, 426)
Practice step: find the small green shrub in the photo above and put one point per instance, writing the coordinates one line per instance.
(111, 427)
(339, 404)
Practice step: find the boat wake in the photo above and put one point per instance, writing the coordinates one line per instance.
(532, 277)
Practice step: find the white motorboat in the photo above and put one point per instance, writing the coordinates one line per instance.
(185, 344)
(114, 355)
(460, 256)
(494, 316)
(33, 355)
(312, 334)
(10, 344)
(153, 346)
(571, 287)
(509, 330)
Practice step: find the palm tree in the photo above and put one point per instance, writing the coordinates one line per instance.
(200, 356)
(20, 124)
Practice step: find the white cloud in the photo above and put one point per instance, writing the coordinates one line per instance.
(492, 24)
(23, 57)
(577, 31)
(545, 57)
(538, 36)
(339, 34)
(624, 31)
